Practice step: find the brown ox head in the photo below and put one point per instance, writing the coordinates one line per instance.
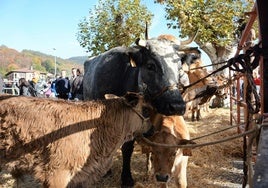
(141, 109)
(171, 131)
(163, 158)
(176, 41)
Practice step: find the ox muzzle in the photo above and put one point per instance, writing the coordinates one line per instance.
(169, 101)
(162, 177)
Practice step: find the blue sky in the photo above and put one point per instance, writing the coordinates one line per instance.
(42, 25)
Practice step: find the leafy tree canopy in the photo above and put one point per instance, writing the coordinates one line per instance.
(217, 20)
(113, 23)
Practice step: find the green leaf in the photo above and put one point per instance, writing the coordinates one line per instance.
(113, 23)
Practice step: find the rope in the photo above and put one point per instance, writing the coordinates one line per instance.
(233, 64)
(216, 132)
(192, 84)
(201, 67)
(191, 144)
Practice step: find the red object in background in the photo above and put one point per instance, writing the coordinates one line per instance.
(257, 81)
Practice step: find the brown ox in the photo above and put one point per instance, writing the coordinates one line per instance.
(208, 86)
(168, 162)
(65, 144)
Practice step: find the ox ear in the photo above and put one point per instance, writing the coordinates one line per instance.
(185, 67)
(132, 98)
(110, 96)
(132, 63)
(140, 42)
(135, 56)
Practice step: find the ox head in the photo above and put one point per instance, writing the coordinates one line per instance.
(141, 110)
(169, 161)
(159, 63)
(190, 58)
(163, 158)
(135, 101)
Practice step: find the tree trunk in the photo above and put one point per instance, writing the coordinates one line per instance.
(218, 54)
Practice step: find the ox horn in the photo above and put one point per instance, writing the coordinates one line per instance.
(146, 31)
(110, 96)
(140, 42)
(187, 49)
(189, 40)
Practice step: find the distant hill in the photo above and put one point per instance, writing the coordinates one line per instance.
(78, 59)
(11, 59)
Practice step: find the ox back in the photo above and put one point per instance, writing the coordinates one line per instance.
(64, 143)
(151, 69)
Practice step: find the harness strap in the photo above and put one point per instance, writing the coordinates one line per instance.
(172, 87)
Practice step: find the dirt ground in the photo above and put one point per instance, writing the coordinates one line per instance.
(215, 166)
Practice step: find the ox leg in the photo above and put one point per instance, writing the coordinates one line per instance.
(149, 166)
(193, 115)
(180, 173)
(198, 114)
(126, 177)
(61, 179)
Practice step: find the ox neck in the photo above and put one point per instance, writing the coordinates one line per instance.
(138, 113)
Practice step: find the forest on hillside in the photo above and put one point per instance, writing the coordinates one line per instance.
(11, 59)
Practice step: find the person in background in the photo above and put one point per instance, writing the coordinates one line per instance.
(25, 88)
(251, 35)
(1, 84)
(257, 81)
(77, 86)
(62, 87)
(74, 70)
(53, 86)
(250, 40)
(47, 90)
(33, 82)
(73, 74)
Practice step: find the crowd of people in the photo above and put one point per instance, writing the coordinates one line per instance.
(62, 87)
(1, 84)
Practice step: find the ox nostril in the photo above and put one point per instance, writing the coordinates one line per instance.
(176, 109)
(161, 178)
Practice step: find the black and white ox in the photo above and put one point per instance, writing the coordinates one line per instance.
(151, 68)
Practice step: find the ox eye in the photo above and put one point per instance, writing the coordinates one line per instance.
(151, 66)
(146, 112)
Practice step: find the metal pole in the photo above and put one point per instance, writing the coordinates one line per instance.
(55, 59)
